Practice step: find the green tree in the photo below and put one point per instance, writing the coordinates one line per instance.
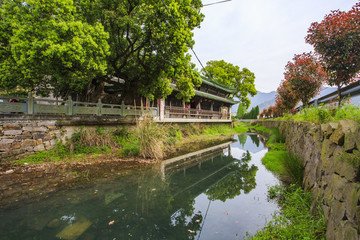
(241, 110)
(252, 114)
(149, 41)
(46, 47)
(242, 80)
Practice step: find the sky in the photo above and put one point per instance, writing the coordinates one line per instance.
(262, 35)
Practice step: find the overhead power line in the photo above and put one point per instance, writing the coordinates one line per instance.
(209, 4)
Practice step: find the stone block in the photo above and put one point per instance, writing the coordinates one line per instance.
(338, 211)
(6, 141)
(38, 135)
(11, 126)
(348, 126)
(349, 232)
(16, 145)
(330, 230)
(29, 143)
(46, 123)
(338, 137)
(344, 168)
(12, 132)
(352, 196)
(350, 141)
(35, 129)
(39, 148)
(337, 184)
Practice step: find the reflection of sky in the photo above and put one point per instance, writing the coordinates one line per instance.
(249, 145)
(246, 213)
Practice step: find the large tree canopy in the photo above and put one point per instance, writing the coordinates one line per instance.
(242, 80)
(149, 41)
(45, 47)
(79, 47)
(337, 40)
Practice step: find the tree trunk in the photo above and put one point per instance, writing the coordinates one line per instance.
(339, 95)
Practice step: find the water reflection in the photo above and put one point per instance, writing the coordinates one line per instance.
(189, 202)
(241, 176)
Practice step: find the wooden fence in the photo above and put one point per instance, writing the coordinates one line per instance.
(41, 106)
(181, 112)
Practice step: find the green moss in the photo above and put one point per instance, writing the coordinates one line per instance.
(295, 220)
(351, 158)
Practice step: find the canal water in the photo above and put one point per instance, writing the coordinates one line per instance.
(220, 195)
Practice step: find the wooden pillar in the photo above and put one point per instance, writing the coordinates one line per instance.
(30, 104)
(161, 109)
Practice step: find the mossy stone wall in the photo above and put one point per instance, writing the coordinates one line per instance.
(331, 157)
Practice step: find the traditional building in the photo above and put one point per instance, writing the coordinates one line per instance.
(212, 103)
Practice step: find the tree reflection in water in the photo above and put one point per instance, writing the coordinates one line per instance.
(138, 204)
(241, 177)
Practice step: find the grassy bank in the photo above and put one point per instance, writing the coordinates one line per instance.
(295, 220)
(324, 114)
(146, 140)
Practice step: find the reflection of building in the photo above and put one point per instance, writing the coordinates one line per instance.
(136, 202)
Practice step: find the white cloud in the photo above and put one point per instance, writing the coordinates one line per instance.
(260, 34)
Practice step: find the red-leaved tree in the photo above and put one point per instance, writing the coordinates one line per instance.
(305, 75)
(288, 95)
(337, 40)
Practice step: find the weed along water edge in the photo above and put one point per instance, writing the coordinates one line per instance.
(219, 195)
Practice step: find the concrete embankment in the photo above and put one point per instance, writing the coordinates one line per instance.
(331, 157)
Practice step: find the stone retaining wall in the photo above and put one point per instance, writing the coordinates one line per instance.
(18, 138)
(326, 151)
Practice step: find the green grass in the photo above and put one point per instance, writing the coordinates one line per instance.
(241, 127)
(132, 141)
(295, 220)
(324, 114)
(61, 153)
(274, 161)
(278, 160)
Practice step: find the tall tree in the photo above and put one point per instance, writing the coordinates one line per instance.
(45, 47)
(149, 41)
(241, 110)
(242, 80)
(288, 95)
(337, 39)
(305, 75)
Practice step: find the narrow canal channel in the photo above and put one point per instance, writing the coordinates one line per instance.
(220, 195)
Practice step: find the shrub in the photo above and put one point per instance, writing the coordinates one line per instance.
(92, 137)
(151, 137)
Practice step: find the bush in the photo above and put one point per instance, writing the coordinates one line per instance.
(151, 137)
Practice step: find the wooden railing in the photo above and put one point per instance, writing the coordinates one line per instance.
(41, 106)
(180, 112)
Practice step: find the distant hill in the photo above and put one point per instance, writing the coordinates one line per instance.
(264, 100)
(261, 99)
